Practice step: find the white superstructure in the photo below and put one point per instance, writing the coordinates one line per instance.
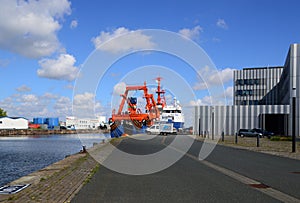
(174, 114)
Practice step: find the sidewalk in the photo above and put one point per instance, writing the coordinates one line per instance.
(61, 181)
(56, 183)
(278, 148)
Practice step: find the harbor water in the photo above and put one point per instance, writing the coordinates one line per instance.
(20, 156)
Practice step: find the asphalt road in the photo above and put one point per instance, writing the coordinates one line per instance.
(191, 180)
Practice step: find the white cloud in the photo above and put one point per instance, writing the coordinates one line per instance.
(59, 69)
(30, 28)
(85, 105)
(73, 24)
(69, 86)
(209, 77)
(207, 100)
(225, 75)
(121, 40)
(63, 106)
(222, 99)
(119, 88)
(222, 24)
(23, 88)
(229, 93)
(29, 98)
(31, 105)
(191, 33)
(49, 95)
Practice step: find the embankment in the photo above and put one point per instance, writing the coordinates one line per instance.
(60, 181)
(31, 132)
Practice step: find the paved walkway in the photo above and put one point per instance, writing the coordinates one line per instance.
(56, 183)
(278, 148)
(61, 181)
(227, 175)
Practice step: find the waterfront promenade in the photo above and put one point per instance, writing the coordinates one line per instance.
(227, 175)
(56, 183)
(81, 174)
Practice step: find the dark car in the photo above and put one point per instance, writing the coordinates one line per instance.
(249, 133)
(264, 133)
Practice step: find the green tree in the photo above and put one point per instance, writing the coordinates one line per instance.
(2, 113)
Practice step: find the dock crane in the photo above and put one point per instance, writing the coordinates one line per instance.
(134, 114)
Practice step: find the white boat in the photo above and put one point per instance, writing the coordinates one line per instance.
(173, 113)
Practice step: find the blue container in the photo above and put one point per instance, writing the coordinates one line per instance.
(38, 120)
(52, 122)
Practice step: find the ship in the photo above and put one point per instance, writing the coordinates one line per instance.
(169, 113)
(173, 114)
(133, 120)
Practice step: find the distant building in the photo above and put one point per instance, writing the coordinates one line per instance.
(267, 97)
(13, 123)
(49, 123)
(83, 123)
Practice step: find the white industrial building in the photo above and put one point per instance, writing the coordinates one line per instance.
(13, 123)
(83, 123)
(264, 97)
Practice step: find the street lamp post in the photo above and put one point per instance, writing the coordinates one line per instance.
(294, 121)
(199, 128)
(212, 123)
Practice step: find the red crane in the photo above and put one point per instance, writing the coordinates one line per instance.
(135, 115)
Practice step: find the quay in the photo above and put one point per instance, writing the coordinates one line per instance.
(33, 132)
(58, 182)
(79, 178)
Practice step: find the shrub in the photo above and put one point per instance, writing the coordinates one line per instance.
(281, 138)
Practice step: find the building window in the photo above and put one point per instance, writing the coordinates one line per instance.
(247, 82)
(244, 93)
(256, 81)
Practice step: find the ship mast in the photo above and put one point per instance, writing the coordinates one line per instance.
(160, 99)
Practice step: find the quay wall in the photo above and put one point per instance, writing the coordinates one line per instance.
(31, 132)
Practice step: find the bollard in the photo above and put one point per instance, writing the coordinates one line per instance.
(83, 149)
(257, 141)
(223, 136)
(236, 138)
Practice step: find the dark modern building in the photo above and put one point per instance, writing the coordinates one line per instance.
(253, 86)
(266, 97)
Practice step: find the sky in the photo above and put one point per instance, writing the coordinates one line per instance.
(54, 54)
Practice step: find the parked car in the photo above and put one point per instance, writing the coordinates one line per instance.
(264, 132)
(162, 129)
(249, 133)
(154, 129)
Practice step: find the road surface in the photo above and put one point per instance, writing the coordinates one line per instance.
(227, 175)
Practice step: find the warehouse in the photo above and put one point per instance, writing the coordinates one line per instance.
(264, 97)
(84, 123)
(13, 123)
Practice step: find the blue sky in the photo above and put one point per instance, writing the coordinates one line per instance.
(44, 44)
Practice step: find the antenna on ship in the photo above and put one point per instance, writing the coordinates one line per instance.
(161, 102)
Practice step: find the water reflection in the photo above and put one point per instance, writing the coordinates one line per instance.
(20, 156)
